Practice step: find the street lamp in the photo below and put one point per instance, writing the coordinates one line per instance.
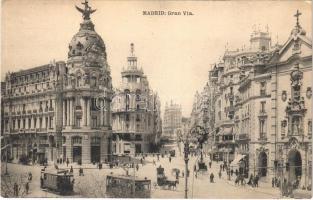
(185, 139)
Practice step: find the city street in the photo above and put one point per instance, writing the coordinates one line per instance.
(92, 184)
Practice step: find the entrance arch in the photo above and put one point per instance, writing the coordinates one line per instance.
(295, 165)
(262, 164)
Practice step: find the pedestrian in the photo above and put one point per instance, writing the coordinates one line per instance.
(15, 189)
(137, 167)
(219, 174)
(71, 170)
(27, 187)
(273, 182)
(231, 172)
(210, 163)
(183, 174)
(30, 176)
(154, 162)
(141, 161)
(211, 178)
(221, 166)
(158, 157)
(67, 162)
(170, 158)
(41, 182)
(236, 172)
(81, 172)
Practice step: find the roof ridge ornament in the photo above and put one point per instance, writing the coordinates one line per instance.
(86, 11)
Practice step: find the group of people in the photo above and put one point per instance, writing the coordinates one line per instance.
(254, 180)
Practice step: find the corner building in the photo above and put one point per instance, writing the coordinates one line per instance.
(62, 110)
(136, 120)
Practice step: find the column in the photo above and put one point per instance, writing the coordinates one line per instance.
(71, 111)
(83, 107)
(101, 112)
(68, 112)
(44, 122)
(69, 149)
(86, 153)
(64, 112)
(88, 112)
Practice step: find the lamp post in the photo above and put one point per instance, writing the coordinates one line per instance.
(185, 140)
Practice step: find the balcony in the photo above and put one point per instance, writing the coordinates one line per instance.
(51, 109)
(243, 137)
(78, 107)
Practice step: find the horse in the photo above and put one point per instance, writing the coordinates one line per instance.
(171, 184)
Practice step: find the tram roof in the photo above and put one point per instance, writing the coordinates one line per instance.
(137, 179)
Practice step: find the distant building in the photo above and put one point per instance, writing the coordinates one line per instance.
(135, 112)
(172, 119)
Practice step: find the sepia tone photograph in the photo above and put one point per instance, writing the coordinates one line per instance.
(156, 99)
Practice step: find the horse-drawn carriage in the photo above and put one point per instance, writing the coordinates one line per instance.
(163, 181)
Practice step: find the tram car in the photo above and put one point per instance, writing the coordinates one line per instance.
(60, 181)
(118, 186)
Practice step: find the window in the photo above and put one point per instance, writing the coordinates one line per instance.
(51, 122)
(94, 122)
(76, 140)
(24, 123)
(262, 129)
(40, 122)
(18, 124)
(262, 108)
(137, 118)
(93, 81)
(78, 121)
(35, 122)
(263, 88)
(127, 117)
(310, 129)
(46, 125)
(29, 123)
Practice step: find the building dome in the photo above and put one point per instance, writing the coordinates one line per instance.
(87, 45)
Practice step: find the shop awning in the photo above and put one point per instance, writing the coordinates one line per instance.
(237, 159)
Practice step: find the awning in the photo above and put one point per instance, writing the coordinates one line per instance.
(237, 159)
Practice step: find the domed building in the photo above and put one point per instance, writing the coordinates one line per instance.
(87, 95)
(61, 111)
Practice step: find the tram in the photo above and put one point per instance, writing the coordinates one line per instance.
(60, 181)
(118, 186)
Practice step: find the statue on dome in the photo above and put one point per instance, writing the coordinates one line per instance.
(86, 11)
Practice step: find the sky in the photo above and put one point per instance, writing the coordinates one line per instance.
(175, 52)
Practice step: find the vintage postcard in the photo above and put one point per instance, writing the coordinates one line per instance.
(156, 99)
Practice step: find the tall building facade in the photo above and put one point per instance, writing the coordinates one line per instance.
(135, 112)
(263, 107)
(62, 110)
(172, 119)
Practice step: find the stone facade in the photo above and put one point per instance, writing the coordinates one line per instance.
(263, 107)
(135, 112)
(62, 110)
(172, 119)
